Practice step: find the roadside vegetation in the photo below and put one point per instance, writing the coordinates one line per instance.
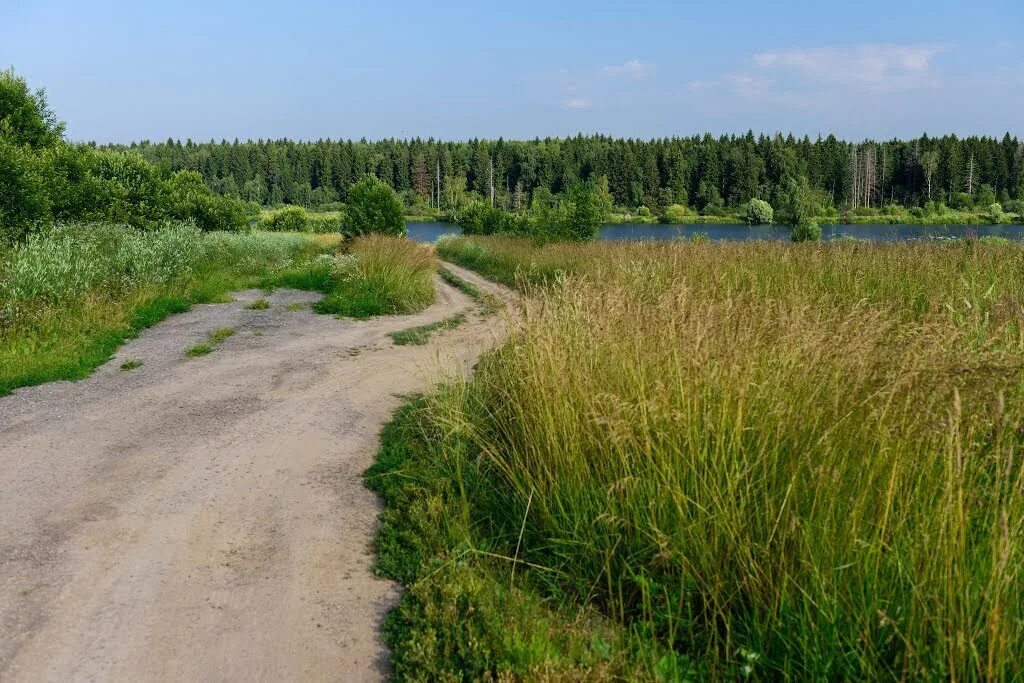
(71, 294)
(765, 460)
(380, 275)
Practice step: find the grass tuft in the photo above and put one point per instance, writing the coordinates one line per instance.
(131, 365)
(259, 305)
(198, 350)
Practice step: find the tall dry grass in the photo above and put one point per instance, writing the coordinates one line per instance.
(793, 461)
(381, 275)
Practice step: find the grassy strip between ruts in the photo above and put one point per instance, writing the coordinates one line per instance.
(418, 336)
(380, 276)
(489, 305)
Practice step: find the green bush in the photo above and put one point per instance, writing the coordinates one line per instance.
(996, 215)
(806, 230)
(373, 207)
(675, 213)
(480, 218)
(643, 212)
(45, 179)
(759, 212)
(288, 219)
(961, 201)
(188, 198)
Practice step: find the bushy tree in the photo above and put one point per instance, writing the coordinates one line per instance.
(806, 230)
(188, 198)
(759, 212)
(985, 196)
(23, 198)
(996, 215)
(373, 207)
(675, 213)
(481, 218)
(25, 117)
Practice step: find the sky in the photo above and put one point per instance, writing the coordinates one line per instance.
(119, 71)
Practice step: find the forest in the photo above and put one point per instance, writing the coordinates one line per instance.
(715, 176)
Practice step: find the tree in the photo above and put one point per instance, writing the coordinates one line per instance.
(25, 117)
(23, 197)
(929, 164)
(806, 230)
(759, 212)
(372, 207)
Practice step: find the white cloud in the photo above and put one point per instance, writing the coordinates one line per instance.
(634, 69)
(873, 67)
(577, 103)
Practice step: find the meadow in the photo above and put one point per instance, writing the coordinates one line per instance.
(698, 461)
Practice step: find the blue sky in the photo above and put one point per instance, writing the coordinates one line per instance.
(121, 71)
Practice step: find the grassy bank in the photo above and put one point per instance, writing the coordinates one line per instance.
(71, 295)
(796, 461)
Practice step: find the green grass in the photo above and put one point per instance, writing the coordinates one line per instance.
(71, 296)
(464, 614)
(199, 350)
(215, 339)
(259, 305)
(801, 461)
(131, 365)
(380, 276)
(418, 336)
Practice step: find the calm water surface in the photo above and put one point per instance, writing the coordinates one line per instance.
(428, 232)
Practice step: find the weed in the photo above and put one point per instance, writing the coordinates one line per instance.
(259, 305)
(131, 364)
(198, 350)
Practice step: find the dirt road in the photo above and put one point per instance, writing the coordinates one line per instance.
(205, 518)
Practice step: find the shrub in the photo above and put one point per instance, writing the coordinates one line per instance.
(480, 218)
(1015, 206)
(373, 207)
(643, 212)
(985, 196)
(961, 201)
(288, 219)
(806, 230)
(759, 212)
(675, 213)
(189, 198)
(996, 215)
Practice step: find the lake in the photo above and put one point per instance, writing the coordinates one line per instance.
(428, 232)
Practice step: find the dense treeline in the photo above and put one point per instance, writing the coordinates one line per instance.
(708, 174)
